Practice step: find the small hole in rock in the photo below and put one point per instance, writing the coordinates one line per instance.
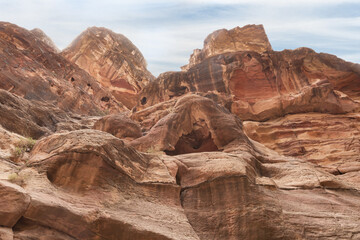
(105, 99)
(143, 101)
(72, 79)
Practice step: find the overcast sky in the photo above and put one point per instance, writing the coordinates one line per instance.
(166, 32)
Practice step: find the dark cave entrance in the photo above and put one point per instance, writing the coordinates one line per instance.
(199, 140)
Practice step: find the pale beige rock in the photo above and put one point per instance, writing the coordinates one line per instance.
(13, 203)
(6, 233)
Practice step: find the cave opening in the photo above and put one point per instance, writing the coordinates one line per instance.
(199, 140)
(105, 99)
(143, 101)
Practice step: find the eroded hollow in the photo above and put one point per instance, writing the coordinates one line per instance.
(199, 140)
(77, 172)
(105, 99)
(143, 101)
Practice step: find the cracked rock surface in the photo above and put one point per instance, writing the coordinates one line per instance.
(243, 143)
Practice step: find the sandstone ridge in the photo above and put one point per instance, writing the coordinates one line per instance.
(243, 143)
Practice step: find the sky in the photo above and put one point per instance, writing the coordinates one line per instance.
(167, 31)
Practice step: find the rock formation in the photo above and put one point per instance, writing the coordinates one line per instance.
(247, 38)
(113, 60)
(32, 70)
(44, 38)
(244, 143)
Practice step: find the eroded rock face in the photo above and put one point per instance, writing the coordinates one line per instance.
(120, 126)
(91, 180)
(44, 38)
(247, 143)
(323, 139)
(6, 233)
(13, 203)
(262, 86)
(194, 124)
(32, 70)
(112, 60)
(247, 38)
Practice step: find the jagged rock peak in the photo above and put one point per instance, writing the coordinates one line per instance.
(247, 38)
(113, 60)
(45, 38)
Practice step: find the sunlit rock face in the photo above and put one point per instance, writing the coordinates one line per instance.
(244, 143)
(112, 60)
(32, 70)
(247, 38)
(44, 38)
(257, 83)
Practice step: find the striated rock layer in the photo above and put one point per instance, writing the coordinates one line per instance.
(113, 60)
(31, 69)
(244, 143)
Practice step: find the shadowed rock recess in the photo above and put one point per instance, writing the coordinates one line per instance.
(243, 143)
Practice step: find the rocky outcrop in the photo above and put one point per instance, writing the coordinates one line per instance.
(88, 185)
(247, 143)
(120, 126)
(6, 233)
(13, 203)
(35, 118)
(329, 141)
(30, 69)
(262, 86)
(194, 124)
(113, 60)
(247, 38)
(44, 38)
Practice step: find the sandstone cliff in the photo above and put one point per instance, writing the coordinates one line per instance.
(32, 70)
(244, 143)
(44, 38)
(112, 60)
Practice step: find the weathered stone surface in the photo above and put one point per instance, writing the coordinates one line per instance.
(194, 124)
(6, 233)
(120, 126)
(113, 60)
(265, 86)
(247, 38)
(290, 171)
(30, 69)
(8, 141)
(31, 118)
(13, 203)
(329, 141)
(44, 38)
(28, 230)
(89, 185)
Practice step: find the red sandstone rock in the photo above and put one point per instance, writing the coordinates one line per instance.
(13, 203)
(88, 184)
(44, 38)
(120, 126)
(30, 69)
(247, 38)
(268, 85)
(194, 124)
(203, 176)
(112, 60)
